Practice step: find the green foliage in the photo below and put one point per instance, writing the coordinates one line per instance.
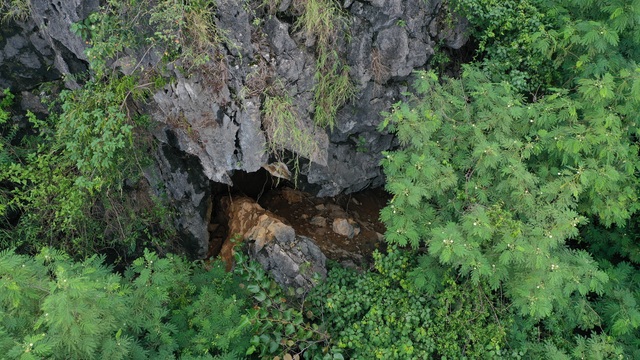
(495, 187)
(55, 308)
(15, 9)
(538, 43)
(281, 326)
(500, 189)
(8, 129)
(333, 88)
(491, 187)
(7, 134)
(97, 130)
(284, 126)
(506, 32)
(383, 314)
(182, 31)
(591, 40)
(68, 179)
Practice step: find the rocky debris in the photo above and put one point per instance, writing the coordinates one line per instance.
(354, 217)
(318, 221)
(346, 227)
(294, 261)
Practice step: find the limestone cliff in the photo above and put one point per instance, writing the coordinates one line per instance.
(211, 120)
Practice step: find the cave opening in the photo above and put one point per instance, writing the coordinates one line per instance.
(346, 227)
(250, 184)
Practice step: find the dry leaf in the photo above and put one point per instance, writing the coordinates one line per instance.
(278, 169)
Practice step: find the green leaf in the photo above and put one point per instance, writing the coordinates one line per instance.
(289, 329)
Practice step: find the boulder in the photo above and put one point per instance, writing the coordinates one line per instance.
(293, 261)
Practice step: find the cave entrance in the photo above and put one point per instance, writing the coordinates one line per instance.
(251, 184)
(345, 227)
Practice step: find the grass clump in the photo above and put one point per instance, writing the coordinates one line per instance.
(284, 125)
(15, 9)
(320, 21)
(333, 88)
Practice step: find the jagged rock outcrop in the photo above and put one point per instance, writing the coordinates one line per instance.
(180, 177)
(215, 113)
(388, 40)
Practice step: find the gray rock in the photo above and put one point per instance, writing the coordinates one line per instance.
(293, 261)
(346, 227)
(318, 221)
(43, 48)
(26, 60)
(54, 19)
(347, 170)
(284, 5)
(201, 126)
(179, 176)
(343, 227)
(454, 37)
(251, 137)
(234, 22)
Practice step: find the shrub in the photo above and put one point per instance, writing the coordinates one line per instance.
(383, 315)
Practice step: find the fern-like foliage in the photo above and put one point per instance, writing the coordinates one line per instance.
(53, 307)
(494, 186)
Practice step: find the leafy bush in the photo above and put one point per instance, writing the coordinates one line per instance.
(506, 35)
(282, 327)
(500, 189)
(67, 175)
(383, 314)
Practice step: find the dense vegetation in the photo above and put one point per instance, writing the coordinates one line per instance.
(512, 226)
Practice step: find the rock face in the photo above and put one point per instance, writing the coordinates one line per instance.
(293, 261)
(389, 39)
(43, 48)
(215, 114)
(180, 177)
